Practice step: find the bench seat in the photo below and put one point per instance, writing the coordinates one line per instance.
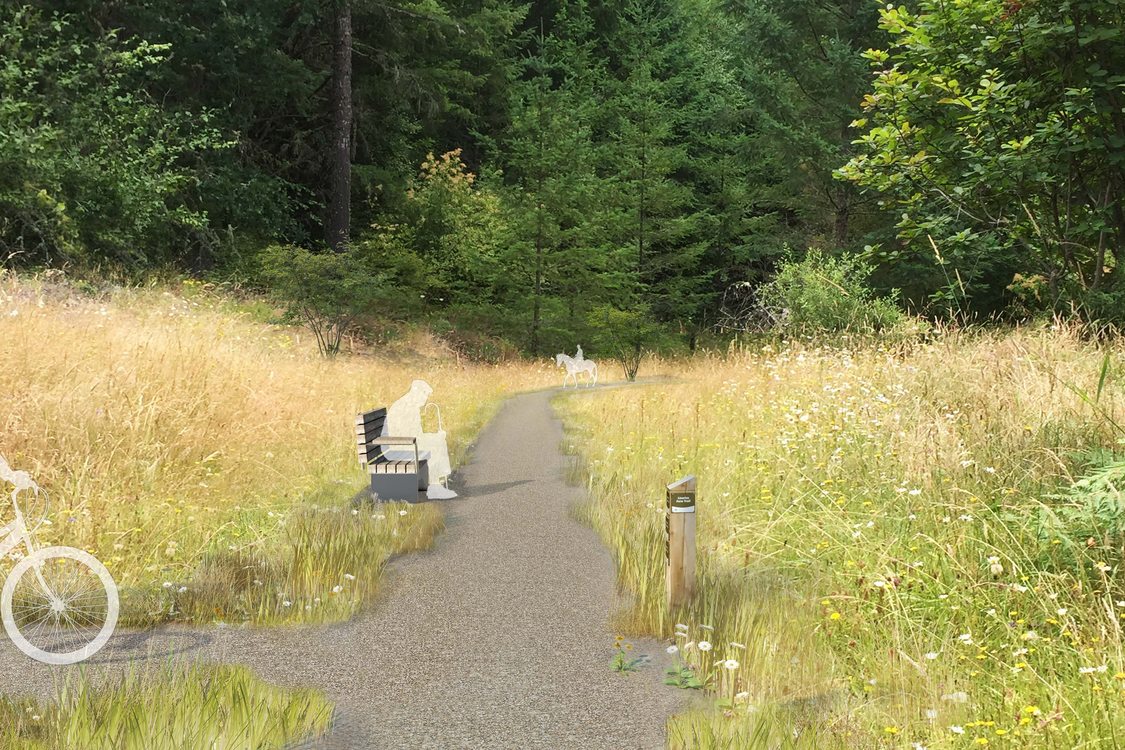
(394, 467)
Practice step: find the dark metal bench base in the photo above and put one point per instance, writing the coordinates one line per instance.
(394, 487)
(390, 483)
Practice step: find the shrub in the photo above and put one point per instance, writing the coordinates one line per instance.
(828, 294)
(625, 335)
(327, 291)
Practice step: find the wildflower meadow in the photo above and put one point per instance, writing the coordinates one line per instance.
(908, 547)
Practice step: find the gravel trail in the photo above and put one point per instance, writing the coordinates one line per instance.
(499, 637)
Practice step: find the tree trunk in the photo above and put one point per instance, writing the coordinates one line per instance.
(1119, 251)
(537, 302)
(641, 202)
(340, 192)
(537, 292)
(843, 210)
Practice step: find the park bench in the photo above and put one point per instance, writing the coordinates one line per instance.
(395, 474)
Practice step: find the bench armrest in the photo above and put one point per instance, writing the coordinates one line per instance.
(393, 441)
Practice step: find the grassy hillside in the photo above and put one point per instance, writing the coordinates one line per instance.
(898, 549)
(206, 456)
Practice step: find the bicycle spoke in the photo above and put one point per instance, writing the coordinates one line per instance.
(39, 626)
(70, 621)
(69, 584)
(86, 596)
(60, 604)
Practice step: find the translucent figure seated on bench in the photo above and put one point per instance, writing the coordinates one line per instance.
(404, 419)
(576, 365)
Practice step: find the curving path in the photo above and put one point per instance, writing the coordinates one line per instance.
(496, 638)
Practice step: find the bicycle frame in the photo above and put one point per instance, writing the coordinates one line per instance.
(42, 588)
(15, 532)
(11, 536)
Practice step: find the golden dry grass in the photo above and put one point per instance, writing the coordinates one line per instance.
(180, 440)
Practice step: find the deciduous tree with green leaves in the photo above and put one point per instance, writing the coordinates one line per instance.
(459, 231)
(91, 167)
(996, 129)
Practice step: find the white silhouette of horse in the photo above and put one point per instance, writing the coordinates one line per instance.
(575, 366)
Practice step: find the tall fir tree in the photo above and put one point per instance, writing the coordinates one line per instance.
(800, 63)
(550, 163)
(659, 226)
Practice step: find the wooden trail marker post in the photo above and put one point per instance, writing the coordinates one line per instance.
(679, 541)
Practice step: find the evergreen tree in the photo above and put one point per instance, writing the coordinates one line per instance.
(800, 64)
(659, 227)
(556, 194)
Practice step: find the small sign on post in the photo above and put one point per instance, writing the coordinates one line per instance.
(679, 541)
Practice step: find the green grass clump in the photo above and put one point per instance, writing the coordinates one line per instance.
(313, 564)
(175, 708)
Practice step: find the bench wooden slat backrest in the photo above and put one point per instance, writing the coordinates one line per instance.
(368, 426)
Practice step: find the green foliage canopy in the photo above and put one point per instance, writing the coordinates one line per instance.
(996, 130)
(90, 167)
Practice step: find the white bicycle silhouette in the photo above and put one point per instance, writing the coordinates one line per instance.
(59, 604)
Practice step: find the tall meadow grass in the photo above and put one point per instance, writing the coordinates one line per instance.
(892, 553)
(207, 457)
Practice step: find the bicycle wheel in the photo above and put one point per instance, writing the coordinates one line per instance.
(59, 605)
